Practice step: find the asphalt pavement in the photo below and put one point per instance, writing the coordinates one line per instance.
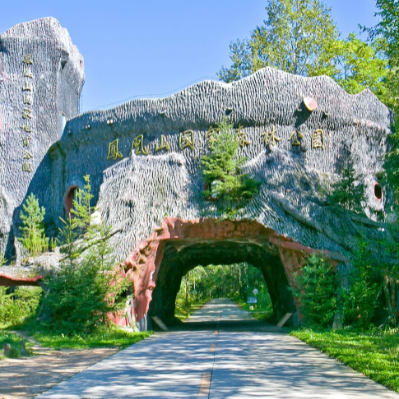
(219, 363)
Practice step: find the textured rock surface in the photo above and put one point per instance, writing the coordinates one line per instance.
(41, 77)
(138, 185)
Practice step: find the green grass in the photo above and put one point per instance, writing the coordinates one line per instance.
(183, 312)
(374, 353)
(103, 338)
(15, 342)
(262, 312)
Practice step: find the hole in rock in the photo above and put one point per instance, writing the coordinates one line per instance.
(378, 191)
(70, 196)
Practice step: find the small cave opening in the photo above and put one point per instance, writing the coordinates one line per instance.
(70, 196)
(378, 191)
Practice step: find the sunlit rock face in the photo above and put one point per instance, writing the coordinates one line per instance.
(144, 161)
(41, 78)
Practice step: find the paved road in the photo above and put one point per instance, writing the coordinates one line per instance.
(219, 364)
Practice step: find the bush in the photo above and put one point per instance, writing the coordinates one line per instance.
(315, 287)
(87, 285)
(33, 238)
(221, 169)
(358, 302)
(21, 303)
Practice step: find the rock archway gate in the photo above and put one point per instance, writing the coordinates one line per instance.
(177, 246)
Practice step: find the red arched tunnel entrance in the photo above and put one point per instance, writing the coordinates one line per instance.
(177, 246)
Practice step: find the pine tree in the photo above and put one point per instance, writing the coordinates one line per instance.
(86, 287)
(33, 238)
(315, 288)
(348, 192)
(221, 169)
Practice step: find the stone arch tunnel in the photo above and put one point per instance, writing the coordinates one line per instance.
(158, 264)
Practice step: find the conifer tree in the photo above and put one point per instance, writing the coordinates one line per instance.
(87, 285)
(222, 169)
(315, 288)
(33, 238)
(348, 192)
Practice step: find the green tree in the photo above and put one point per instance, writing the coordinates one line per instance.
(358, 302)
(348, 192)
(315, 287)
(88, 285)
(33, 238)
(356, 65)
(388, 30)
(295, 38)
(222, 169)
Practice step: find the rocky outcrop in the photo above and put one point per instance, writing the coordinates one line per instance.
(41, 78)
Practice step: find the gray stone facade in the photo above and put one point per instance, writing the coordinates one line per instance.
(41, 78)
(136, 187)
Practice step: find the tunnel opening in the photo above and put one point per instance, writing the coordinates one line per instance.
(159, 262)
(180, 259)
(242, 283)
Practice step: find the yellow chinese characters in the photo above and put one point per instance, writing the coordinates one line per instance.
(270, 137)
(211, 136)
(138, 146)
(318, 139)
(28, 59)
(186, 140)
(163, 146)
(241, 139)
(113, 151)
(295, 137)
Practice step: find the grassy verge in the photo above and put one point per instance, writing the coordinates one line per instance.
(104, 337)
(259, 313)
(374, 354)
(15, 343)
(101, 339)
(183, 312)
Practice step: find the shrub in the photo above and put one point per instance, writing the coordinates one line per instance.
(315, 287)
(348, 192)
(221, 169)
(358, 301)
(33, 238)
(19, 304)
(87, 285)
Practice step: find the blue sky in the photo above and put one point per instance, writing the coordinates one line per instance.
(153, 48)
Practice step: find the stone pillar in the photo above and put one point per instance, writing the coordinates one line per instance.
(41, 78)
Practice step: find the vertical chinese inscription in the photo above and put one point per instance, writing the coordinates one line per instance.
(27, 101)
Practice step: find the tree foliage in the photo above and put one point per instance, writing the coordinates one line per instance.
(348, 192)
(316, 287)
(356, 65)
(87, 285)
(294, 38)
(33, 238)
(300, 37)
(235, 281)
(357, 302)
(222, 169)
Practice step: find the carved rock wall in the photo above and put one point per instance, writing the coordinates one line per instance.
(41, 77)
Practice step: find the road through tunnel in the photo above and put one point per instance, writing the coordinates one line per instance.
(180, 258)
(158, 263)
